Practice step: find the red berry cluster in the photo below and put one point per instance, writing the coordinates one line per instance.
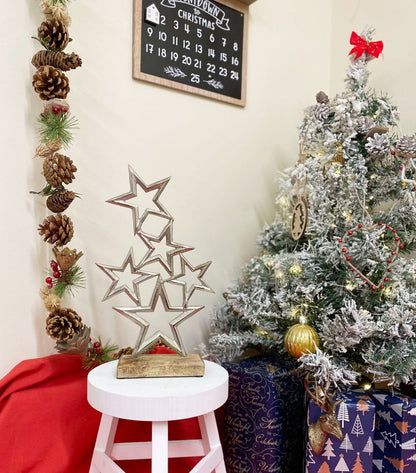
(56, 273)
(95, 349)
(56, 110)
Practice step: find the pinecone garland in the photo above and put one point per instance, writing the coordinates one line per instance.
(49, 82)
(378, 145)
(60, 201)
(63, 324)
(406, 146)
(58, 169)
(56, 229)
(57, 59)
(53, 34)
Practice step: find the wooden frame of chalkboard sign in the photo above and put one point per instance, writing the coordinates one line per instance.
(197, 46)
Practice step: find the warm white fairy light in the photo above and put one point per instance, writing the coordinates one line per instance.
(279, 274)
(283, 202)
(366, 385)
(295, 269)
(388, 292)
(350, 286)
(268, 262)
(347, 215)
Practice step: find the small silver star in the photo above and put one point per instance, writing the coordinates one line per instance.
(140, 216)
(131, 291)
(167, 260)
(188, 291)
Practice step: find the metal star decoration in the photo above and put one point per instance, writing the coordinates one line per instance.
(165, 260)
(130, 290)
(189, 290)
(155, 322)
(138, 216)
(158, 336)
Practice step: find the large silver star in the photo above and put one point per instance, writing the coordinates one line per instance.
(131, 289)
(140, 216)
(187, 289)
(155, 326)
(165, 260)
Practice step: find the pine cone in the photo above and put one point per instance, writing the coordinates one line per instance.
(53, 34)
(50, 83)
(378, 146)
(321, 97)
(364, 124)
(66, 258)
(57, 11)
(321, 111)
(60, 201)
(63, 324)
(123, 351)
(47, 149)
(50, 299)
(58, 169)
(406, 146)
(56, 229)
(57, 59)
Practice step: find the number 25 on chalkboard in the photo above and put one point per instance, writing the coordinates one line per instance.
(197, 46)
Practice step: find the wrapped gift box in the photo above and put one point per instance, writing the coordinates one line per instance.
(264, 417)
(395, 433)
(354, 453)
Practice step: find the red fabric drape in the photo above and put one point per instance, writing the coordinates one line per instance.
(47, 425)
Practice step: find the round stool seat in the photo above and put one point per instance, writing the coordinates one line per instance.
(153, 399)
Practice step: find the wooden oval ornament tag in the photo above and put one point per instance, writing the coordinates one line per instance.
(299, 219)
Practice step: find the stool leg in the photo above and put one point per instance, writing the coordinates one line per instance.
(105, 440)
(210, 438)
(160, 447)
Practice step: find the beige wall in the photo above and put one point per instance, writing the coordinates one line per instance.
(222, 158)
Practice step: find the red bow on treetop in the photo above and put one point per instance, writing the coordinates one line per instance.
(374, 48)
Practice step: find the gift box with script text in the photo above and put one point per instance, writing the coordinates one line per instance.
(354, 451)
(395, 433)
(263, 417)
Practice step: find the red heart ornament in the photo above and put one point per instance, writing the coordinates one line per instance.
(391, 254)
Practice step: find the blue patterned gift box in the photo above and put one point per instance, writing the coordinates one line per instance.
(395, 433)
(264, 417)
(354, 453)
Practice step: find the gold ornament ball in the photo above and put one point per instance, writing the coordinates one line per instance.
(299, 339)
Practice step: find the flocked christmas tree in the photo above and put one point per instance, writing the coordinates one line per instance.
(334, 268)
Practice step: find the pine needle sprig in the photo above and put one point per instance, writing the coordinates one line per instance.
(57, 126)
(62, 2)
(73, 278)
(41, 41)
(98, 354)
(49, 190)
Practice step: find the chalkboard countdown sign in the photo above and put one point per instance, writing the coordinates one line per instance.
(197, 46)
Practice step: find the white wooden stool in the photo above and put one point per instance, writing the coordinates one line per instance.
(158, 400)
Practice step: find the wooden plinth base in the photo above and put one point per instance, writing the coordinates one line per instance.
(160, 366)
